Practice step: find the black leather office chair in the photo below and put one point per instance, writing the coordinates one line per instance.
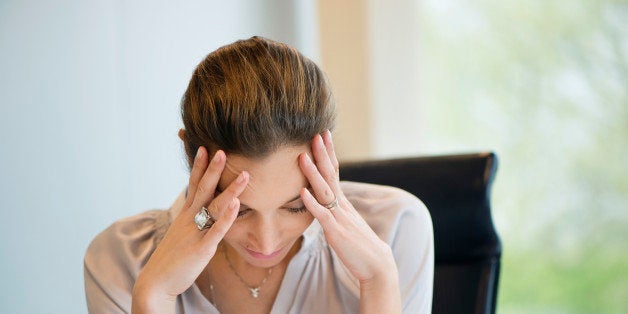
(456, 189)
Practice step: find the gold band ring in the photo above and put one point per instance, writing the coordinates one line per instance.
(331, 205)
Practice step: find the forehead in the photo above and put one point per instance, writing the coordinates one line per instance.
(274, 179)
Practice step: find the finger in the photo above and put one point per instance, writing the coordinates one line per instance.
(204, 191)
(324, 216)
(198, 168)
(324, 194)
(329, 145)
(323, 162)
(218, 231)
(223, 201)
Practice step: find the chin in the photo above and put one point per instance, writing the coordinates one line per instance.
(258, 259)
(264, 261)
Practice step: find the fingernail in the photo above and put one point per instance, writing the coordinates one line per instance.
(241, 177)
(199, 153)
(217, 157)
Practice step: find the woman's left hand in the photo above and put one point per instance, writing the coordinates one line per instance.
(366, 256)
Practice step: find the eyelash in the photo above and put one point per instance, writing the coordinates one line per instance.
(293, 210)
(297, 210)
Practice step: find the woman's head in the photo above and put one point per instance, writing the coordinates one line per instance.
(254, 96)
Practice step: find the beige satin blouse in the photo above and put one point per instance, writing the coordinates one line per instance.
(315, 280)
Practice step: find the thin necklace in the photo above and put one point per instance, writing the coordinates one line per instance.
(254, 290)
(213, 296)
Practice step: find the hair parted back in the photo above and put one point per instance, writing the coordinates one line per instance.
(254, 96)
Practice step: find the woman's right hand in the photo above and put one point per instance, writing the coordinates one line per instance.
(185, 251)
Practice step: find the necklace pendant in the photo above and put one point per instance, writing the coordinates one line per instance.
(254, 292)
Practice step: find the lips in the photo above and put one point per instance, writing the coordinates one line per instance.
(258, 255)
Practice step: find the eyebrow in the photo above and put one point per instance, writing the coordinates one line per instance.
(309, 186)
(294, 199)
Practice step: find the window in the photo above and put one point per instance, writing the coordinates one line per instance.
(545, 85)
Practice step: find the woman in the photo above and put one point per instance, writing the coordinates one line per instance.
(264, 224)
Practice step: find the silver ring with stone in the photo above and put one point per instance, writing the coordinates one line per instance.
(333, 204)
(204, 219)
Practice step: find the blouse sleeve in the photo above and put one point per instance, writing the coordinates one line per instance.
(115, 257)
(413, 248)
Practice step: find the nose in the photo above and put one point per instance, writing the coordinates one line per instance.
(266, 235)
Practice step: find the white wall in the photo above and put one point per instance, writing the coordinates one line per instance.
(397, 119)
(89, 111)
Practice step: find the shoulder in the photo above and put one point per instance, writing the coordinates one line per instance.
(128, 238)
(128, 241)
(115, 256)
(388, 210)
(374, 199)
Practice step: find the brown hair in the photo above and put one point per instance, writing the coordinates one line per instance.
(254, 96)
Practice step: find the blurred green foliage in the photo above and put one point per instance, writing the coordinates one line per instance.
(545, 85)
(541, 282)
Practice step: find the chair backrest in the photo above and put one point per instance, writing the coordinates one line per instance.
(456, 189)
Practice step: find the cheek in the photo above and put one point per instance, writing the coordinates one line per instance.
(299, 224)
(304, 220)
(237, 231)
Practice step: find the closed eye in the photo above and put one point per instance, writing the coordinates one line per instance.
(243, 212)
(297, 210)
(293, 210)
